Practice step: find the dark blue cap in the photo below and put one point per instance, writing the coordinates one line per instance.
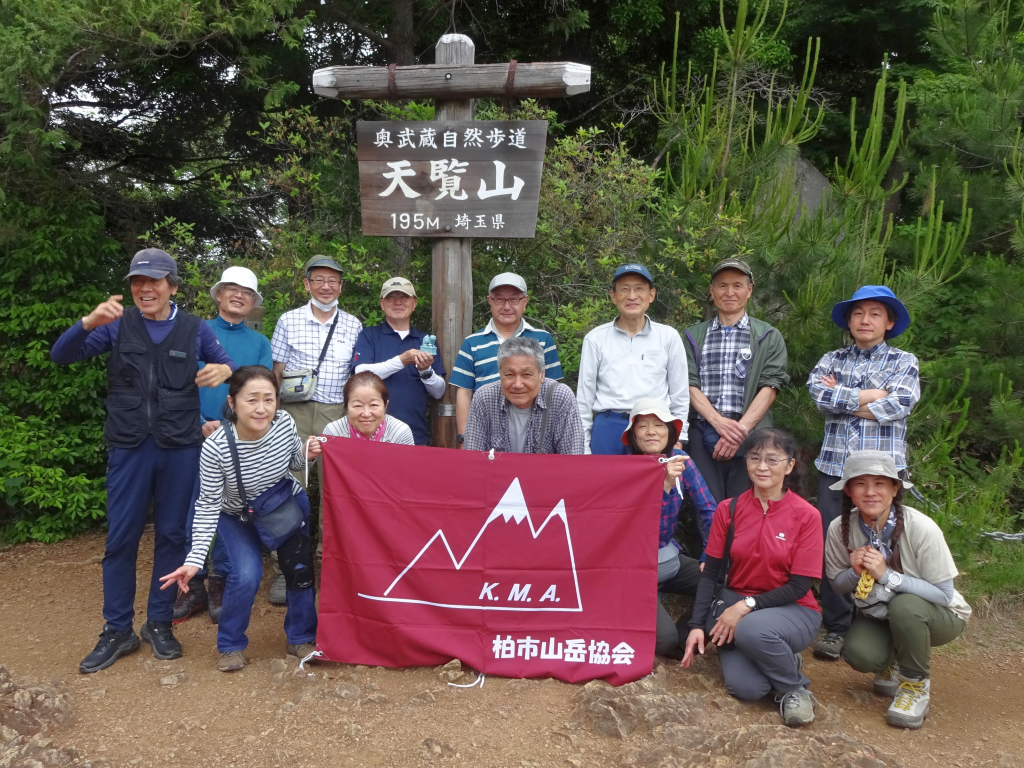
(841, 311)
(152, 262)
(632, 269)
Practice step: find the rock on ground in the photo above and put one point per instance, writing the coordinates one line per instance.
(29, 711)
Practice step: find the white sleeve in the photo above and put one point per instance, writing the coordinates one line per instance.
(678, 380)
(208, 505)
(385, 369)
(586, 388)
(434, 385)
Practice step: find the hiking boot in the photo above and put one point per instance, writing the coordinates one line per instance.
(797, 708)
(159, 635)
(191, 602)
(887, 680)
(302, 651)
(112, 646)
(215, 591)
(277, 590)
(830, 647)
(910, 707)
(231, 661)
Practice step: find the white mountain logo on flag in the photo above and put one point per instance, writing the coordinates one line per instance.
(508, 567)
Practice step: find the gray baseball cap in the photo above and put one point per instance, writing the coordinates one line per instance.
(738, 264)
(860, 463)
(322, 262)
(507, 278)
(152, 262)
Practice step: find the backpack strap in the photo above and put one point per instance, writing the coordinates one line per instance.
(724, 569)
(330, 333)
(229, 434)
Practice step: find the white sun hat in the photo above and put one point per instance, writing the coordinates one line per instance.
(239, 276)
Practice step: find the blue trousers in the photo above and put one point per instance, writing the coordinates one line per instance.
(606, 434)
(242, 544)
(221, 563)
(135, 478)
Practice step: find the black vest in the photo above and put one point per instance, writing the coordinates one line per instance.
(151, 388)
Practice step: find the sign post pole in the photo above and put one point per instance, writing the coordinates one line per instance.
(452, 272)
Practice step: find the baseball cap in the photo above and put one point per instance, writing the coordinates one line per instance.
(737, 264)
(859, 463)
(152, 262)
(239, 276)
(318, 261)
(507, 278)
(397, 285)
(633, 269)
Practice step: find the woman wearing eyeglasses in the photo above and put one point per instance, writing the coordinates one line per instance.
(765, 614)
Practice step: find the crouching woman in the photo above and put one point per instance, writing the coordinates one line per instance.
(896, 562)
(249, 499)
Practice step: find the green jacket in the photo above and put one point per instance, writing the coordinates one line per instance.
(767, 368)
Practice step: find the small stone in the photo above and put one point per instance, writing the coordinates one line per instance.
(288, 707)
(173, 679)
(347, 691)
(426, 697)
(451, 672)
(278, 666)
(377, 698)
(98, 693)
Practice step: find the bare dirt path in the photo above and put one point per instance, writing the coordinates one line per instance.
(143, 712)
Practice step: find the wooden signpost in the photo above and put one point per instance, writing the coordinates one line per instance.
(453, 81)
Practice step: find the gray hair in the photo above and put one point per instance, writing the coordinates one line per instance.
(520, 346)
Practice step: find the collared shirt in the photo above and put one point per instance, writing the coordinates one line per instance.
(616, 370)
(487, 425)
(298, 339)
(696, 490)
(477, 361)
(243, 345)
(723, 374)
(880, 367)
(407, 392)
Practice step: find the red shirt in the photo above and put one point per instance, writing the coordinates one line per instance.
(768, 547)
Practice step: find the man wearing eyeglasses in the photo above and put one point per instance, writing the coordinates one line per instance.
(236, 295)
(477, 361)
(299, 337)
(630, 358)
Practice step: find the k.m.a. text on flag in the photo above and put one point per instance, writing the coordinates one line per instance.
(517, 565)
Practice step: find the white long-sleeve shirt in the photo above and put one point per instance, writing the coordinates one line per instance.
(616, 371)
(434, 385)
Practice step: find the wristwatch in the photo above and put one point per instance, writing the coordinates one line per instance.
(750, 602)
(426, 373)
(460, 439)
(892, 580)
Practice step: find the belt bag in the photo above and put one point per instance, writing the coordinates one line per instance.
(299, 386)
(275, 513)
(877, 603)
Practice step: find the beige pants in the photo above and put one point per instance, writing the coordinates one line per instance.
(311, 418)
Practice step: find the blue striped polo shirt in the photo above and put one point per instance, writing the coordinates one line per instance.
(477, 361)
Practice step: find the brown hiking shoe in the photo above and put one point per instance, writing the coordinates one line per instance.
(231, 661)
(302, 651)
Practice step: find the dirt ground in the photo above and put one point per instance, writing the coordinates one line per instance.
(144, 712)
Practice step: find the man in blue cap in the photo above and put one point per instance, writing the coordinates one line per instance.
(153, 433)
(866, 391)
(631, 357)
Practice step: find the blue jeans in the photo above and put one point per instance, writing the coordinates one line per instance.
(136, 477)
(221, 562)
(606, 434)
(242, 545)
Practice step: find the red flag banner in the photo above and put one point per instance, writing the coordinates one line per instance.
(518, 565)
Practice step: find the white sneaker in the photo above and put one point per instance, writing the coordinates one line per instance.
(910, 707)
(887, 681)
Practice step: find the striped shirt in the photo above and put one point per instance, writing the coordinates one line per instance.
(298, 339)
(263, 462)
(881, 367)
(477, 361)
(395, 430)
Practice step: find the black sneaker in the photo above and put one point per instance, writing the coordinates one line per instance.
(830, 647)
(215, 590)
(159, 635)
(189, 603)
(112, 646)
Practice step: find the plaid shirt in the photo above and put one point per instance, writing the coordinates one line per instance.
(697, 492)
(487, 426)
(722, 373)
(881, 367)
(298, 339)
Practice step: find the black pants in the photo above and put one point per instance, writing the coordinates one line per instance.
(670, 634)
(725, 479)
(836, 609)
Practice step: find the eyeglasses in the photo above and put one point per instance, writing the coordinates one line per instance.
(231, 288)
(772, 461)
(320, 282)
(513, 302)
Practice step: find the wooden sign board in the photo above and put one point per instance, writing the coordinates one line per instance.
(478, 178)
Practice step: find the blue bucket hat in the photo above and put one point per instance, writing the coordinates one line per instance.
(877, 293)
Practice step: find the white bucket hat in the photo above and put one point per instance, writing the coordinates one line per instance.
(239, 276)
(869, 463)
(648, 406)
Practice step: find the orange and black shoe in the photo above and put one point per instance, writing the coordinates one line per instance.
(190, 603)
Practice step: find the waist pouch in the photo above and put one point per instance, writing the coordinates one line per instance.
(299, 386)
(708, 436)
(876, 605)
(668, 562)
(721, 601)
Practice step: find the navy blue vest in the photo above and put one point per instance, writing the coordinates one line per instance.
(151, 388)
